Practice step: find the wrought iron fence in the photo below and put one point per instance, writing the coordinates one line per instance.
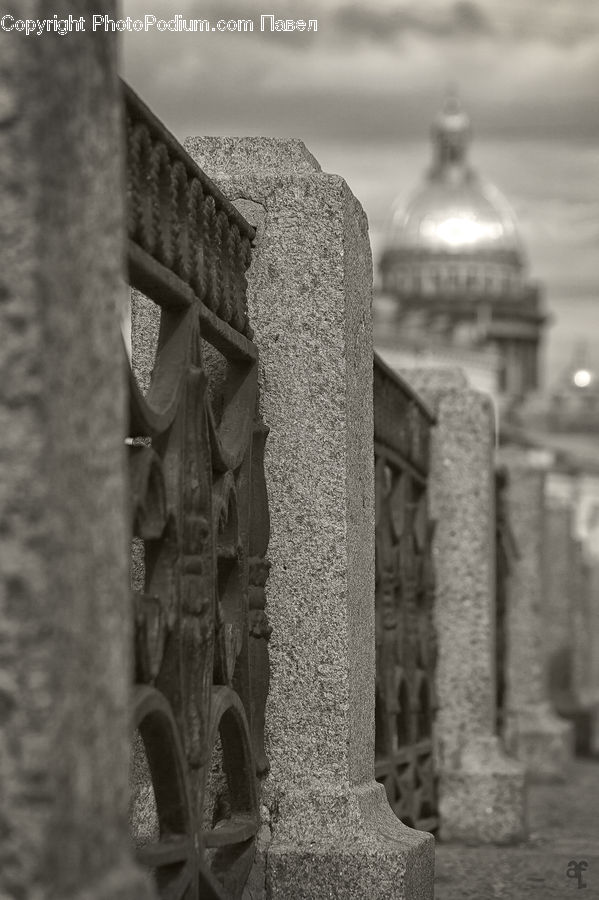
(199, 507)
(405, 636)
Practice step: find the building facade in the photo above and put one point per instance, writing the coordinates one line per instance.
(453, 273)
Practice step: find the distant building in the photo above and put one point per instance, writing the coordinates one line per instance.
(455, 288)
(573, 404)
(455, 291)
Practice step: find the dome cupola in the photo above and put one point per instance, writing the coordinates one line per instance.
(451, 135)
(457, 229)
(453, 264)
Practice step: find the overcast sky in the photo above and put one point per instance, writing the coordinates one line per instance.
(362, 90)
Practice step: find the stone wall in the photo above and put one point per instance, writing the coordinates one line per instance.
(65, 629)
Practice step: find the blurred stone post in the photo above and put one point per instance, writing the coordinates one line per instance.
(558, 645)
(580, 617)
(585, 694)
(589, 491)
(533, 733)
(594, 650)
(65, 638)
(328, 829)
(588, 532)
(482, 797)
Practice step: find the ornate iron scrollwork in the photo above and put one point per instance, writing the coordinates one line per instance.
(199, 506)
(406, 647)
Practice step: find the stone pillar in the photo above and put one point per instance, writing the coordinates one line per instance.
(65, 638)
(331, 830)
(579, 611)
(585, 713)
(586, 625)
(533, 733)
(594, 649)
(482, 795)
(572, 636)
(557, 622)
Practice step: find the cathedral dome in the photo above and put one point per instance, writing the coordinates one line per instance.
(453, 276)
(470, 218)
(457, 227)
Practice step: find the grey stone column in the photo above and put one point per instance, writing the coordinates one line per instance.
(572, 635)
(482, 796)
(533, 733)
(585, 687)
(557, 622)
(594, 650)
(580, 617)
(589, 522)
(331, 830)
(64, 597)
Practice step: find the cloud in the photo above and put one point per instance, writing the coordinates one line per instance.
(463, 18)
(563, 23)
(362, 91)
(378, 70)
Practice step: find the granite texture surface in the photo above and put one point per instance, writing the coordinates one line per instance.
(594, 656)
(65, 637)
(333, 833)
(482, 791)
(557, 622)
(533, 732)
(571, 622)
(564, 826)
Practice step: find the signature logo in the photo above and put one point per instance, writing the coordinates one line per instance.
(575, 870)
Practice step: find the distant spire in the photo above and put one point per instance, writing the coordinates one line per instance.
(452, 104)
(451, 135)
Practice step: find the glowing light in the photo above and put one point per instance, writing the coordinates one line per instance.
(460, 230)
(582, 378)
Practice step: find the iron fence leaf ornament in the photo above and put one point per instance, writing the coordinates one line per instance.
(199, 507)
(404, 596)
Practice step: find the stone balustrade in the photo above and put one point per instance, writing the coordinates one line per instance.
(311, 634)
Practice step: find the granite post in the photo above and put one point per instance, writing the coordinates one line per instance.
(585, 668)
(585, 712)
(533, 733)
(580, 615)
(594, 649)
(482, 791)
(572, 632)
(557, 624)
(328, 830)
(65, 642)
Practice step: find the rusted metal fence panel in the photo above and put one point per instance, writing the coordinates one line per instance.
(200, 516)
(405, 635)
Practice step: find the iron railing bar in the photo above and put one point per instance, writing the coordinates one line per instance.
(398, 460)
(143, 112)
(402, 385)
(235, 831)
(146, 273)
(178, 888)
(150, 277)
(165, 852)
(210, 888)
